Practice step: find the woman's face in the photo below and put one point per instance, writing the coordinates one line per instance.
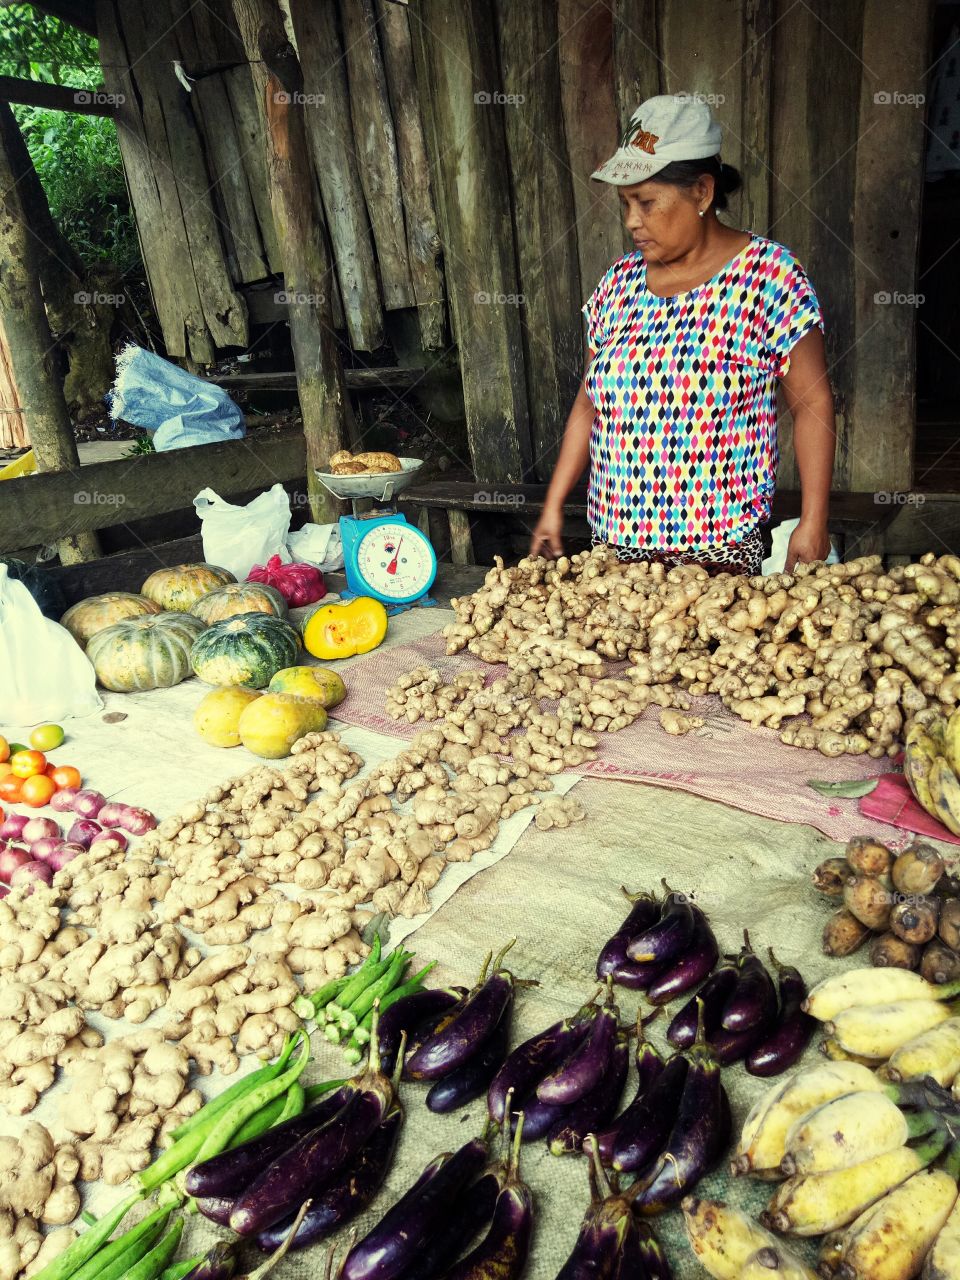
(663, 219)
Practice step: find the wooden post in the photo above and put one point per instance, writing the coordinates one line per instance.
(327, 417)
(31, 344)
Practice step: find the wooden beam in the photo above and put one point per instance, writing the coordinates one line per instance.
(75, 13)
(57, 97)
(886, 229)
(30, 342)
(81, 499)
(456, 52)
(356, 379)
(544, 222)
(324, 404)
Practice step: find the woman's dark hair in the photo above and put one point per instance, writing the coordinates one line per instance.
(685, 173)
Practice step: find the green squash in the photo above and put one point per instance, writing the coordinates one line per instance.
(239, 597)
(248, 650)
(151, 652)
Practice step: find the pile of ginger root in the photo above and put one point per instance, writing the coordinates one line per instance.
(837, 658)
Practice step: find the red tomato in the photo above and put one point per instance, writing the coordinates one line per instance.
(37, 790)
(27, 763)
(10, 789)
(64, 775)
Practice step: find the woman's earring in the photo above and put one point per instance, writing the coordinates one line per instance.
(701, 212)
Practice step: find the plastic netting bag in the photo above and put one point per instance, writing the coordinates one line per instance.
(178, 407)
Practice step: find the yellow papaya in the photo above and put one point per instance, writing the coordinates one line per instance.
(217, 717)
(345, 627)
(310, 682)
(271, 724)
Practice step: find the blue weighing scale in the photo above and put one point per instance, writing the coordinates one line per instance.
(386, 557)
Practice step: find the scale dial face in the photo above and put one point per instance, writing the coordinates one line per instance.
(396, 561)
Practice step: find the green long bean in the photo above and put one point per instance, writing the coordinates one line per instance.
(375, 991)
(239, 1089)
(308, 1007)
(150, 1266)
(369, 971)
(181, 1269)
(86, 1245)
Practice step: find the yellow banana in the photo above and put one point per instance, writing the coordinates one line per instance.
(844, 1132)
(918, 758)
(722, 1238)
(831, 1049)
(951, 743)
(828, 1255)
(877, 1031)
(776, 1263)
(943, 1260)
(762, 1148)
(861, 987)
(891, 1239)
(945, 790)
(933, 1053)
(821, 1202)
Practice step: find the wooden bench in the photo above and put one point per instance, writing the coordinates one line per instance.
(456, 509)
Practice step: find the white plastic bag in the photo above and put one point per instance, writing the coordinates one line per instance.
(317, 544)
(237, 538)
(46, 675)
(777, 558)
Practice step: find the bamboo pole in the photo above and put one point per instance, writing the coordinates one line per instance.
(307, 274)
(30, 342)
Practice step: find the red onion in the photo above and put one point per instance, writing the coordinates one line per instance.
(30, 872)
(4, 890)
(12, 826)
(116, 836)
(63, 799)
(88, 803)
(83, 832)
(38, 829)
(66, 853)
(45, 846)
(138, 821)
(111, 815)
(11, 859)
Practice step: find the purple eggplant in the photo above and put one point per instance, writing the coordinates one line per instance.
(599, 1248)
(471, 1025)
(642, 1257)
(411, 1013)
(668, 939)
(594, 1110)
(645, 1127)
(644, 913)
(649, 1064)
(714, 993)
(469, 1213)
(781, 1048)
(538, 1118)
(394, 1244)
(586, 1064)
(472, 1079)
(338, 1202)
(697, 1141)
(753, 1002)
(731, 1046)
(217, 1208)
(502, 1253)
(228, 1173)
(218, 1263)
(319, 1155)
(526, 1066)
(691, 968)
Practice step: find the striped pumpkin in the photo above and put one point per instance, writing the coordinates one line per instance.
(85, 618)
(240, 597)
(248, 649)
(178, 588)
(152, 652)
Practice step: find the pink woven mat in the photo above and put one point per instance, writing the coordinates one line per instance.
(726, 760)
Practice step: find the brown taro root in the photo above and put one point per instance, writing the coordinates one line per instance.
(843, 934)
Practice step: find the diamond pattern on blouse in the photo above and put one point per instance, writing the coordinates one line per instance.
(683, 449)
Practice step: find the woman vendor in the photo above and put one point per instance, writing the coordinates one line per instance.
(686, 340)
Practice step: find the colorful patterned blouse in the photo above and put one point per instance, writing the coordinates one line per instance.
(683, 451)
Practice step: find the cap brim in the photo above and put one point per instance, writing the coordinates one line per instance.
(625, 170)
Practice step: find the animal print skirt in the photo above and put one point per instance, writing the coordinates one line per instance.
(743, 557)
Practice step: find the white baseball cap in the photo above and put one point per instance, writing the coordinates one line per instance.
(672, 126)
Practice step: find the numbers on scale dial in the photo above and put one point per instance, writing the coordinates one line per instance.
(395, 561)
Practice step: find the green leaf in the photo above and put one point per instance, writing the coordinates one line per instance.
(847, 790)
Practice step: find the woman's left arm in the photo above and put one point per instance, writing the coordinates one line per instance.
(806, 387)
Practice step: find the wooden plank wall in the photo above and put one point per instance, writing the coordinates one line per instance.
(453, 144)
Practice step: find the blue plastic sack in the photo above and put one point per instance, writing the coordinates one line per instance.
(178, 407)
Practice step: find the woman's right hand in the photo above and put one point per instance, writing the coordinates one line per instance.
(546, 539)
